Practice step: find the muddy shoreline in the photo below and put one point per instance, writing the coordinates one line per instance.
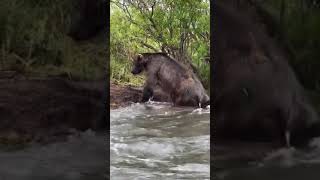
(47, 110)
(122, 96)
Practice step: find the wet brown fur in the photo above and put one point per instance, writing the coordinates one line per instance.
(163, 72)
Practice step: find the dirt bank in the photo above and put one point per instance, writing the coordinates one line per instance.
(121, 96)
(45, 110)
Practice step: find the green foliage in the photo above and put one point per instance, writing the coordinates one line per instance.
(33, 39)
(120, 73)
(177, 27)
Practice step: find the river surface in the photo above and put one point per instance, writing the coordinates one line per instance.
(262, 161)
(158, 141)
(81, 157)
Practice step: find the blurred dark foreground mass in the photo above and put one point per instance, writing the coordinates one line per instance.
(46, 110)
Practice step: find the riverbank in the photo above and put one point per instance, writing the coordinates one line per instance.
(124, 95)
(46, 110)
(121, 95)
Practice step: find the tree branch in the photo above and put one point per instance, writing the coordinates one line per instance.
(126, 11)
(149, 46)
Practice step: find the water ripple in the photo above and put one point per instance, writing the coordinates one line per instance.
(158, 141)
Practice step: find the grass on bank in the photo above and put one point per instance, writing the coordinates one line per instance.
(33, 40)
(121, 73)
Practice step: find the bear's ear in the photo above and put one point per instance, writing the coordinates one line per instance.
(139, 57)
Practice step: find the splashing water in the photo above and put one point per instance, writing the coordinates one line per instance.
(259, 161)
(158, 141)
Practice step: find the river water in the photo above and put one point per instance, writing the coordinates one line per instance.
(81, 157)
(262, 161)
(158, 141)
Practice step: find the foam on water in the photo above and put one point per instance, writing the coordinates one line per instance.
(287, 163)
(289, 157)
(204, 168)
(159, 141)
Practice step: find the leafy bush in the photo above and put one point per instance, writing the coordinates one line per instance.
(179, 28)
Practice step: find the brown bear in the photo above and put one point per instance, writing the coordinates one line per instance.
(162, 71)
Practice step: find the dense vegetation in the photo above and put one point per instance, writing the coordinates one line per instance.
(177, 27)
(34, 40)
(297, 24)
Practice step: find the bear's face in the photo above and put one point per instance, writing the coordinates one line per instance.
(138, 64)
